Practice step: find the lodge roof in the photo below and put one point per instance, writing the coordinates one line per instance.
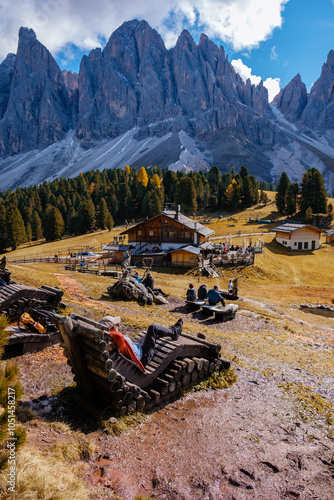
(109, 247)
(188, 248)
(292, 227)
(182, 219)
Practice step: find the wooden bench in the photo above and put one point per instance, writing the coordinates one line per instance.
(16, 299)
(108, 378)
(222, 313)
(20, 342)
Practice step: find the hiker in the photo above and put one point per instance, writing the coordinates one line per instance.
(149, 283)
(202, 292)
(230, 286)
(191, 293)
(140, 352)
(137, 277)
(215, 297)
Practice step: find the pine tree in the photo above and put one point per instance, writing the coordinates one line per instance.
(154, 203)
(309, 215)
(214, 178)
(53, 224)
(291, 198)
(102, 214)
(313, 192)
(16, 233)
(243, 172)
(186, 195)
(86, 216)
(281, 189)
(72, 222)
(3, 229)
(36, 226)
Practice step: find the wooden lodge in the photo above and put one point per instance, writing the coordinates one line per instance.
(167, 231)
(298, 236)
(169, 238)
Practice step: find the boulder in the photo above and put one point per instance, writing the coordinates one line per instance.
(127, 288)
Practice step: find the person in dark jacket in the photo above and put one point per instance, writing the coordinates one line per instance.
(140, 352)
(191, 293)
(202, 292)
(215, 297)
(149, 283)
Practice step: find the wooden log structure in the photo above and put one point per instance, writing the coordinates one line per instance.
(15, 299)
(106, 377)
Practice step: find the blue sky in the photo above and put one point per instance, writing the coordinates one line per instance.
(272, 40)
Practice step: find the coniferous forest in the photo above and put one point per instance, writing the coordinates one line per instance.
(98, 200)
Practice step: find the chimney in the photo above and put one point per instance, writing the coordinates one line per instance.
(177, 212)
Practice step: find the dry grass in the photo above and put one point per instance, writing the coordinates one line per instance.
(41, 477)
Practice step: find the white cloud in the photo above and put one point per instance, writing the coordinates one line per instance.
(241, 23)
(273, 87)
(271, 84)
(273, 53)
(245, 72)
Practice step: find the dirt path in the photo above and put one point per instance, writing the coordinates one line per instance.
(243, 443)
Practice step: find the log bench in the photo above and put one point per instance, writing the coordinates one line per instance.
(21, 342)
(15, 299)
(110, 379)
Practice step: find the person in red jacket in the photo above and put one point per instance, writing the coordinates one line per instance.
(140, 352)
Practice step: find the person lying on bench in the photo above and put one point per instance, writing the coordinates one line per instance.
(215, 297)
(140, 352)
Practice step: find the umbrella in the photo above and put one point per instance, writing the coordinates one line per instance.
(244, 244)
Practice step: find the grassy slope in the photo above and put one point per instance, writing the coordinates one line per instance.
(283, 346)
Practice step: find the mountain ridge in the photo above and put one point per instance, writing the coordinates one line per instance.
(188, 104)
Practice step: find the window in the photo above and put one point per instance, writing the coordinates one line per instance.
(305, 245)
(171, 234)
(139, 232)
(150, 233)
(187, 234)
(295, 243)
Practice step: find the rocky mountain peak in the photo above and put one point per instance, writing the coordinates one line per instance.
(319, 111)
(292, 100)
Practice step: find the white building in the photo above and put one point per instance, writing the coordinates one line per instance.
(298, 236)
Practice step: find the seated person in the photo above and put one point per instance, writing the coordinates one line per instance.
(137, 277)
(140, 352)
(215, 297)
(149, 283)
(230, 286)
(202, 292)
(191, 293)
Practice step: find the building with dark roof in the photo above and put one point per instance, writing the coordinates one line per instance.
(167, 231)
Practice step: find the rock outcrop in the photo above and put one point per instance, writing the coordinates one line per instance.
(38, 111)
(292, 100)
